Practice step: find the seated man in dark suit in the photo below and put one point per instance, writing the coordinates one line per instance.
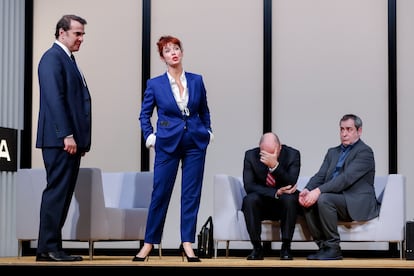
(270, 173)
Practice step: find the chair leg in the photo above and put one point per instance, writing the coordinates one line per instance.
(160, 250)
(91, 244)
(227, 248)
(19, 248)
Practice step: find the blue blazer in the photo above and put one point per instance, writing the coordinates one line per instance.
(65, 102)
(171, 123)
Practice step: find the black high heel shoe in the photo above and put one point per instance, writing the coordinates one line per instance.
(142, 259)
(189, 259)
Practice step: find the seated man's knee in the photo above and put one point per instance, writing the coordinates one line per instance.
(251, 198)
(290, 199)
(323, 199)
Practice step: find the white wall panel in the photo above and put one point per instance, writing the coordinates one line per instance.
(11, 109)
(110, 58)
(330, 58)
(223, 41)
(405, 97)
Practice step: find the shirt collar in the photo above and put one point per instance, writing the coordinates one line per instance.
(63, 47)
(172, 80)
(350, 146)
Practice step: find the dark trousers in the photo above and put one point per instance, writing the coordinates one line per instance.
(62, 172)
(322, 219)
(257, 208)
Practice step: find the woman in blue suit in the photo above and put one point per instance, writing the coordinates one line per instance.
(182, 134)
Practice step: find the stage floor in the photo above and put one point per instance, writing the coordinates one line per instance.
(156, 263)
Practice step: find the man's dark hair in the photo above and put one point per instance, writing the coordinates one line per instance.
(357, 120)
(64, 23)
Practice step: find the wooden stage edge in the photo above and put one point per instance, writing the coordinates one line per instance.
(156, 263)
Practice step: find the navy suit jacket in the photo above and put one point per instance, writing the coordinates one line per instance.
(255, 172)
(65, 102)
(171, 122)
(355, 180)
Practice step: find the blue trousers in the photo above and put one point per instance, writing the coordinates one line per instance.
(165, 171)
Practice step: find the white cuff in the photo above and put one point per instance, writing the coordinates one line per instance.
(211, 136)
(274, 168)
(150, 142)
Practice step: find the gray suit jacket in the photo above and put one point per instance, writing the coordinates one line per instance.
(355, 180)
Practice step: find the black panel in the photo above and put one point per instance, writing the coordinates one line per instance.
(409, 240)
(146, 70)
(392, 87)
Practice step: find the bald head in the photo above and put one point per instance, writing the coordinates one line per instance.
(269, 142)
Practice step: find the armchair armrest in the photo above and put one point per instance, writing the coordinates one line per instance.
(392, 212)
(228, 198)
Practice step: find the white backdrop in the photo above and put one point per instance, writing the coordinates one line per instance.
(329, 58)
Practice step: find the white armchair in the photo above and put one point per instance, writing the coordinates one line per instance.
(229, 223)
(109, 206)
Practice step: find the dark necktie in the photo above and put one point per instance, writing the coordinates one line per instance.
(344, 153)
(76, 65)
(74, 61)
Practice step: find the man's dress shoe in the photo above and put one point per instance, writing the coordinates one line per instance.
(315, 255)
(257, 254)
(327, 253)
(285, 254)
(58, 256)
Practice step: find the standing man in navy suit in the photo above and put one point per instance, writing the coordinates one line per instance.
(63, 133)
(270, 173)
(182, 134)
(342, 189)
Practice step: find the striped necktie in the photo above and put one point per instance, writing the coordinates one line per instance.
(270, 180)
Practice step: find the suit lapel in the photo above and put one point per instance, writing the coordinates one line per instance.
(68, 60)
(332, 166)
(190, 89)
(353, 151)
